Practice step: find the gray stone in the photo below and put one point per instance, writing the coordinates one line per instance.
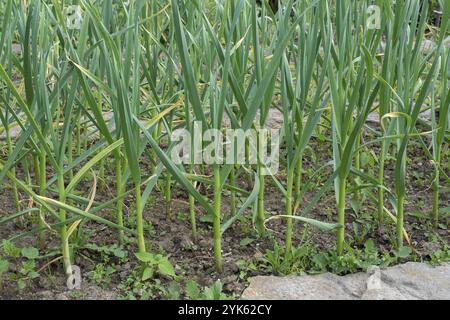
(274, 120)
(374, 117)
(16, 49)
(14, 132)
(428, 46)
(411, 281)
(87, 292)
(447, 42)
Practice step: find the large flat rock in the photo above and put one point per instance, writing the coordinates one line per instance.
(411, 281)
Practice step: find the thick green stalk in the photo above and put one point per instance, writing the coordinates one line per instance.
(36, 168)
(26, 169)
(119, 188)
(436, 199)
(101, 174)
(63, 231)
(78, 136)
(233, 192)
(70, 155)
(15, 191)
(357, 181)
(261, 216)
(42, 193)
(140, 219)
(341, 215)
(400, 220)
(247, 156)
(217, 219)
(168, 196)
(289, 211)
(382, 159)
(13, 172)
(86, 135)
(193, 218)
(298, 179)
